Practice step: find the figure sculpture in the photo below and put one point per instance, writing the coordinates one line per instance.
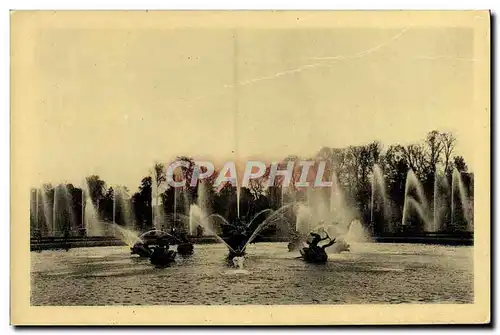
(162, 256)
(314, 253)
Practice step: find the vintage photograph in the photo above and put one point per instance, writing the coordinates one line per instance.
(286, 160)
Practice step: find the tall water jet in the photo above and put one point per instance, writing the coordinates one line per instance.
(36, 209)
(63, 210)
(420, 204)
(47, 211)
(125, 210)
(92, 224)
(412, 181)
(202, 202)
(82, 219)
(308, 195)
(458, 185)
(54, 210)
(192, 221)
(196, 218)
(303, 218)
(372, 202)
(320, 199)
(187, 202)
(114, 211)
(202, 199)
(158, 180)
(282, 203)
(340, 210)
(420, 210)
(175, 207)
(435, 218)
(439, 202)
(238, 200)
(378, 183)
(154, 197)
(333, 193)
(356, 232)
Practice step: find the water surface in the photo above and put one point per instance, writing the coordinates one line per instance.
(370, 273)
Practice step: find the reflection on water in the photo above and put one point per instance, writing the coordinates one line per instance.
(370, 273)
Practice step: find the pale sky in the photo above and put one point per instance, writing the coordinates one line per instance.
(114, 101)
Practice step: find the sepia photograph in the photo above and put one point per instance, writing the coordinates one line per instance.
(280, 167)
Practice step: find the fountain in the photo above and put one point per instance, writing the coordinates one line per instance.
(239, 240)
(91, 222)
(202, 199)
(327, 204)
(268, 220)
(458, 185)
(197, 212)
(141, 244)
(128, 236)
(267, 210)
(126, 212)
(378, 184)
(420, 209)
(36, 209)
(308, 196)
(339, 209)
(320, 207)
(238, 191)
(353, 231)
(114, 212)
(47, 212)
(54, 211)
(195, 215)
(303, 218)
(356, 232)
(435, 210)
(156, 181)
(157, 232)
(419, 205)
(439, 195)
(282, 204)
(205, 223)
(36, 225)
(63, 217)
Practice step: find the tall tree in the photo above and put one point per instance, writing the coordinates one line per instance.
(448, 140)
(141, 202)
(258, 186)
(459, 164)
(96, 187)
(434, 148)
(414, 155)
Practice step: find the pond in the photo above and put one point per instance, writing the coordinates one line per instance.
(369, 273)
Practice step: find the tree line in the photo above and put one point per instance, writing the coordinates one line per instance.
(352, 167)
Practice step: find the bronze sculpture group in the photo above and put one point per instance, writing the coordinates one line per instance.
(160, 254)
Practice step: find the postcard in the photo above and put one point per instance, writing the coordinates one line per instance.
(250, 168)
